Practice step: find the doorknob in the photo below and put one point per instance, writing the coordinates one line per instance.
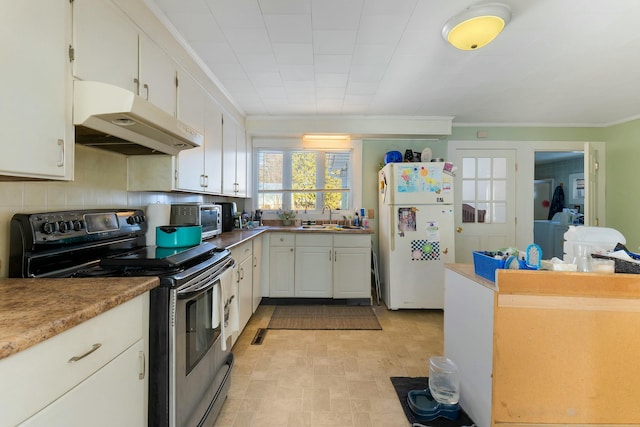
(459, 230)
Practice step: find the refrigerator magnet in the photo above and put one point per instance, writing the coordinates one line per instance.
(424, 250)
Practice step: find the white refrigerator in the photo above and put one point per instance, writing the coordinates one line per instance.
(416, 233)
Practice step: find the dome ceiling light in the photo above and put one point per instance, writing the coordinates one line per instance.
(477, 26)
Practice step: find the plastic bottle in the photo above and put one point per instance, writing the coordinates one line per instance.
(356, 220)
(444, 381)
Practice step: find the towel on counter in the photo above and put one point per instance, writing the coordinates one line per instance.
(230, 319)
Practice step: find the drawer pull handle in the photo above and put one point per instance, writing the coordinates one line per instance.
(82, 356)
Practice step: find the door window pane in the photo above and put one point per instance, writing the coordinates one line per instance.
(468, 190)
(468, 167)
(499, 190)
(499, 213)
(500, 167)
(484, 167)
(484, 190)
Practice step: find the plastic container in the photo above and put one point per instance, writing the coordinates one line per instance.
(486, 266)
(444, 380)
(178, 236)
(599, 239)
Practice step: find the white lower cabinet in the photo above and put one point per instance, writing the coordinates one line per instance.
(317, 265)
(243, 255)
(313, 257)
(352, 266)
(93, 374)
(281, 265)
(257, 272)
(113, 396)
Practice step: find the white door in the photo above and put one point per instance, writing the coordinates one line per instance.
(485, 202)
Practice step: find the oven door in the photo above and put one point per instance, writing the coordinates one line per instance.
(200, 366)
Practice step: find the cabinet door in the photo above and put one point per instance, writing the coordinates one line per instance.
(313, 272)
(191, 98)
(245, 289)
(352, 273)
(157, 76)
(35, 92)
(257, 273)
(281, 271)
(213, 147)
(229, 156)
(114, 396)
(242, 154)
(106, 44)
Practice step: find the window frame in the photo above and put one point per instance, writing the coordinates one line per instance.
(282, 143)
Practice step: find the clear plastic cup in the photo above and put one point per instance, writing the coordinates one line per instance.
(444, 380)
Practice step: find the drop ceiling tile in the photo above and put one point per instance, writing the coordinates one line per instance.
(332, 63)
(388, 8)
(366, 73)
(288, 28)
(336, 14)
(265, 79)
(254, 40)
(195, 26)
(214, 52)
(324, 80)
(361, 88)
(333, 42)
(228, 71)
(295, 7)
(373, 54)
(306, 86)
(293, 53)
(262, 62)
(381, 29)
(297, 72)
(330, 92)
(274, 92)
(236, 14)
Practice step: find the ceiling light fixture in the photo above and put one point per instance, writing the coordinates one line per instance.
(477, 26)
(327, 137)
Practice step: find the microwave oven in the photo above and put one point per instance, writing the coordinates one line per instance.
(209, 216)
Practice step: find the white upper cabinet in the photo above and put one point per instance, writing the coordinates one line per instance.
(105, 42)
(35, 91)
(157, 76)
(213, 147)
(234, 153)
(109, 48)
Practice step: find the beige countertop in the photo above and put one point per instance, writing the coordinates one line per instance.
(33, 310)
(468, 271)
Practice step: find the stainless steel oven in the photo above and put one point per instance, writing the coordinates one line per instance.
(196, 333)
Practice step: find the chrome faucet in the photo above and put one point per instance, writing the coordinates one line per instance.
(327, 207)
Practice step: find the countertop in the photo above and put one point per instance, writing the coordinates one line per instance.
(33, 310)
(468, 271)
(233, 238)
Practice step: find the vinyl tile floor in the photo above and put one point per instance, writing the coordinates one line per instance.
(329, 378)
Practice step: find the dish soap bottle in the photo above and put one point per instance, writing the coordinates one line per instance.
(356, 220)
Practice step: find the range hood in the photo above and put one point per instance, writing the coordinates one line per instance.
(116, 119)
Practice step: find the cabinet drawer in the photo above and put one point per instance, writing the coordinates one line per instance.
(242, 251)
(308, 239)
(35, 377)
(352, 241)
(282, 239)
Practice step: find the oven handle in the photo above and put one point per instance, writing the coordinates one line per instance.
(198, 288)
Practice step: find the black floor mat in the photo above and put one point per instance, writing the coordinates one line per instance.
(404, 385)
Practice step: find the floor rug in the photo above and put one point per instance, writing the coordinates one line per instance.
(324, 317)
(404, 385)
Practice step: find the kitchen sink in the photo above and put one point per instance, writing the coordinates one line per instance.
(320, 226)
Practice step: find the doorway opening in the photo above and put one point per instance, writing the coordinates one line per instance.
(558, 198)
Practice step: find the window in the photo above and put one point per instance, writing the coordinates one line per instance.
(304, 179)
